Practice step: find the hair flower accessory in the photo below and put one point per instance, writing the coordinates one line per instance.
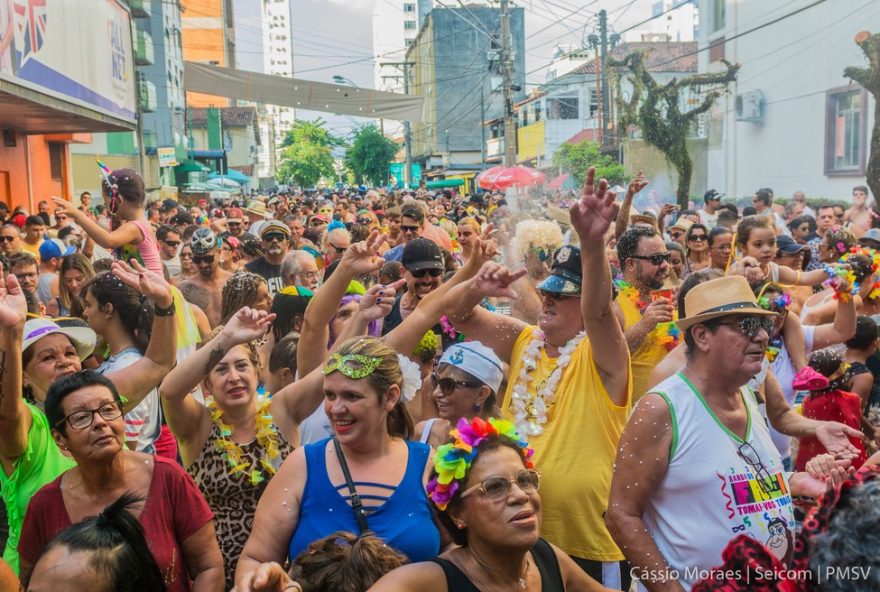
(412, 378)
(452, 461)
(808, 379)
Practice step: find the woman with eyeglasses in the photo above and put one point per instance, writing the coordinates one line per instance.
(37, 353)
(84, 410)
(697, 247)
(484, 489)
(464, 384)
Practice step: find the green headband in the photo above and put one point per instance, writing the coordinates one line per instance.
(354, 366)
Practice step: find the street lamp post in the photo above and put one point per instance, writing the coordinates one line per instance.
(340, 79)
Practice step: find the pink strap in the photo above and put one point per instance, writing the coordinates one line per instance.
(809, 380)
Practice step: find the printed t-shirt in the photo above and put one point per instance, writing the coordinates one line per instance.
(576, 452)
(271, 273)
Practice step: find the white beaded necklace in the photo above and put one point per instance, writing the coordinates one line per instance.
(530, 409)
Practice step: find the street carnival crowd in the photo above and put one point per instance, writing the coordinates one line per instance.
(348, 390)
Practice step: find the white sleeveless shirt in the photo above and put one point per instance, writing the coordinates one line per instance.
(710, 493)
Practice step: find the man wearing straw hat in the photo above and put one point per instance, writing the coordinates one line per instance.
(696, 465)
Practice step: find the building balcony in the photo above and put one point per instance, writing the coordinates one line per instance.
(140, 8)
(147, 96)
(143, 50)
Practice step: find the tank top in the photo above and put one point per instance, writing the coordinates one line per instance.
(403, 518)
(545, 560)
(233, 499)
(426, 431)
(148, 247)
(710, 493)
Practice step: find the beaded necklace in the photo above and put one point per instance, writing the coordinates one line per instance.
(267, 438)
(667, 334)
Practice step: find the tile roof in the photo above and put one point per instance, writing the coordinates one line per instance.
(660, 56)
(587, 134)
(230, 117)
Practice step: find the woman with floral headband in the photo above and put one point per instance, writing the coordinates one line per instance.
(485, 491)
(856, 279)
(368, 476)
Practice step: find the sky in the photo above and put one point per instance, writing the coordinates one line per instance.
(331, 34)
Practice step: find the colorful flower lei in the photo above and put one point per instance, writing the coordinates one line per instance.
(267, 438)
(842, 280)
(874, 256)
(667, 334)
(776, 304)
(452, 461)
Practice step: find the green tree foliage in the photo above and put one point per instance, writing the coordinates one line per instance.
(869, 78)
(655, 109)
(306, 154)
(369, 156)
(575, 159)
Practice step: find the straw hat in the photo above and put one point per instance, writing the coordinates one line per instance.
(719, 298)
(682, 224)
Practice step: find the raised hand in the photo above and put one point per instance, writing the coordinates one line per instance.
(248, 324)
(834, 436)
(494, 280)
(637, 184)
(149, 283)
(363, 258)
(377, 302)
(13, 305)
(63, 204)
(595, 211)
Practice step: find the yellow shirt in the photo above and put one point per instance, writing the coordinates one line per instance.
(575, 453)
(651, 351)
(32, 249)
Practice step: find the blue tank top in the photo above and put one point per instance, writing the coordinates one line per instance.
(403, 520)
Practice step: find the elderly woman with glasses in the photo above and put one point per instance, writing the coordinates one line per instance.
(85, 412)
(485, 491)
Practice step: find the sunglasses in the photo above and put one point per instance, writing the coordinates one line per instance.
(749, 326)
(7, 239)
(498, 488)
(339, 250)
(655, 259)
(675, 235)
(203, 259)
(556, 295)
(171, 243)
(276, 237)
(366, 221)
(448, 385)
(422, 272)
(697, 238)
(408, 228)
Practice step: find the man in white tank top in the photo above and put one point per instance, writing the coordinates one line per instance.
(696, 465)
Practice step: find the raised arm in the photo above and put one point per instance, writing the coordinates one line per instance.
(590, 217)
(359, 259)
(137, 380)
(125, 234)
(843, 327)
(622, 221)
(15, 418)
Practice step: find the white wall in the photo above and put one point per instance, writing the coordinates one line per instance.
(794, 62)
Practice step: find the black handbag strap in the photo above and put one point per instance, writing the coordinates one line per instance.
(357, 505)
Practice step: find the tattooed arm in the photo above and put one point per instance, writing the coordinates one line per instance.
(188, 419)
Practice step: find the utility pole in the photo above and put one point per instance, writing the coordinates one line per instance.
(482, 129)
(407, 128)
(507, 73)
(603, 47)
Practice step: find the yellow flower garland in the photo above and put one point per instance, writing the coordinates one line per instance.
(267, 438)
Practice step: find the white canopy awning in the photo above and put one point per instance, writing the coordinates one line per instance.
(301, 94)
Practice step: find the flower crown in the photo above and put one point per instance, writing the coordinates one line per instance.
(452, 461)
(778, 303)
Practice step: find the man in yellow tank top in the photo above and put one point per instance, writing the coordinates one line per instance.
(645, 312)
(569, 384)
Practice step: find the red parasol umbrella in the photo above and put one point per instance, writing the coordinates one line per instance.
(557, 182)
(519, 176)
(487, 177)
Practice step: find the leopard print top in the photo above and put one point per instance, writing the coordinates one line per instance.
(232, 498)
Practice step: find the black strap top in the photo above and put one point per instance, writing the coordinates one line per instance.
(543, 554)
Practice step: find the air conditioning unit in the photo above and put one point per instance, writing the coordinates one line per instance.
(750, 106)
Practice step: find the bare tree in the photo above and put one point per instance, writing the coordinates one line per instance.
(869, 78)
(655, 110)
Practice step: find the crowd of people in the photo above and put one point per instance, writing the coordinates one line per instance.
(405, 390)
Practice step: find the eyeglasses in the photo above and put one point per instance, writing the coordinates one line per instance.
(80, 420)
(203, 259)
(448, 385)
(172, 244)
(231, 223)
(7, 239)
(274, 237)
(498, 488)
(309, 275)
(422, 272)
(654, 259)
(339, 250)
(749, 326)
(697, 237)
(748, 453)
(408, 228)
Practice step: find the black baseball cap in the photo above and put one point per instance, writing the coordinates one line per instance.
(168, 204)
(712, 195)
(422, 253)
(565, 272)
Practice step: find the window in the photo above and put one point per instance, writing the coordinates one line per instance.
(716, 15)
(409, 25)
(408, 42)
(409, 8)
(562, 108)
(56, 160)
(845, 131)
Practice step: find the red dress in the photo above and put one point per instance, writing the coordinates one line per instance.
(836, 405)
(174, 510)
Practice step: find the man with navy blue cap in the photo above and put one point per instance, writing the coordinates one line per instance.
(570, 385)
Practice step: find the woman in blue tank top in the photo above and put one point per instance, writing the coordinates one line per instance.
(309, 498)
